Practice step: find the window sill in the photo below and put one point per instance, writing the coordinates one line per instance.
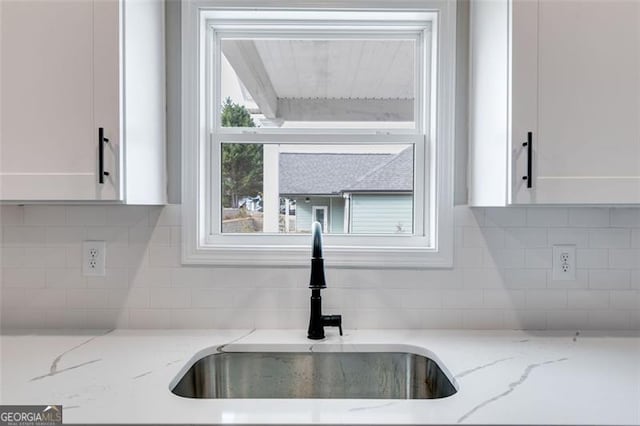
(338, 257)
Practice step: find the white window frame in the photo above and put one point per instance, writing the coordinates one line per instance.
(431, 245)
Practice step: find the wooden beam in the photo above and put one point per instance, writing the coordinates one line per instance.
(346, 109)
(246, 62)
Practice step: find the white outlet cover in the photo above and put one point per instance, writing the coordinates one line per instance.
(564, 262)
(93, 258)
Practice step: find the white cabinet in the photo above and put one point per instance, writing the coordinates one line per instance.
(568, 72)
(70, 70)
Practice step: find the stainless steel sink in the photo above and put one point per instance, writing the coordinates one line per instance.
(379, 375)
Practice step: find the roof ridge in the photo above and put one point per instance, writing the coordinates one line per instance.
(376, 169)
(339, 153)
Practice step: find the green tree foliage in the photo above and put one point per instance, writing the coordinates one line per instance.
(242, 173)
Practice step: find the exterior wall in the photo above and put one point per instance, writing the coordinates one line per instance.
(336, 215)
(303, 212)
(386, 214)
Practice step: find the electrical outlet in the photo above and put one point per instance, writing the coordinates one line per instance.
(564, 262)
(93, 258)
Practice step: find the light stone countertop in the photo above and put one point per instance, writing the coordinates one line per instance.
(503, 377)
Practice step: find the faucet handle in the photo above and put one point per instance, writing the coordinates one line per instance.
(333, 321)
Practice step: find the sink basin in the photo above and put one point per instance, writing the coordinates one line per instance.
(361, 375)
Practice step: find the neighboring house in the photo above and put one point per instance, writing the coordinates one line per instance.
(350, 192)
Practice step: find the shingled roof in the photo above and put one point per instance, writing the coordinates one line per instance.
(335, 173)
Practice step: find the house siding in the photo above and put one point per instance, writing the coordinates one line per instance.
(336, 216)
(381, 214)
(303, 212)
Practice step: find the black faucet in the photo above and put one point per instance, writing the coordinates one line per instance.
(317, 321)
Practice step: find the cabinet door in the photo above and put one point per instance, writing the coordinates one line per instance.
(48, 132)
(587, 142)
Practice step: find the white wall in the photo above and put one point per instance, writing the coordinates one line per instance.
(500, 280)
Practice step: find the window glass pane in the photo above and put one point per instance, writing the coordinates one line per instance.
(349, 189)
(315, 83)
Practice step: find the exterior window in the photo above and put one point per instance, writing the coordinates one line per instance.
(301, 115)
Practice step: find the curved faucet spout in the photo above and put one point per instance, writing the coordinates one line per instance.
(317, 263)
(316, 235)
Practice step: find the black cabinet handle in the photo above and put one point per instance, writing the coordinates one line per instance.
(101, 141)
(529, 145)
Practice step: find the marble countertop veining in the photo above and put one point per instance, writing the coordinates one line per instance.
(503, 377)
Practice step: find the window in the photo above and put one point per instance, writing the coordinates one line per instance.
(338, 116)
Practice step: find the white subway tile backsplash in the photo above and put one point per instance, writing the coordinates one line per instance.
(86, 215)
(581, 281)
(586, 299)
(65, 235)
(624, 258)
(13, 297)
(567, 320)
(168, 216)
(150, 277)
(113, 278)
(169, 298)
(625, 299)
(504, 258)
(501, 299)
(65, 318)
(592, 258)
(525, 278)
(609, 279)
(158, 236)
(635, 279)
(176, 236)
(610, 238)
(575, 236)
(635, 238)
(24, 318)
(65, 278)
(526, 237)
(501, 277)
(483, 237)
(608, 320)
(462, 299)
(464, 216)
(192, 277)
(475, 278)
(625, 217)
(468, 257)
(164, 256)
(45, 298)
(11, 215)
(192, 318)
(23, 277)
(129, 216)
(483, 320)
(33, 257)
(505, 217)
(551, 217)
(107, 318)
(589, 217)
(128, 298)
(540, 258)
(45, 215)
(546, 299)
(211, 298)
(23, 236)
(112, 235)
(525, 320)
(83, 298)
(151, 318)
